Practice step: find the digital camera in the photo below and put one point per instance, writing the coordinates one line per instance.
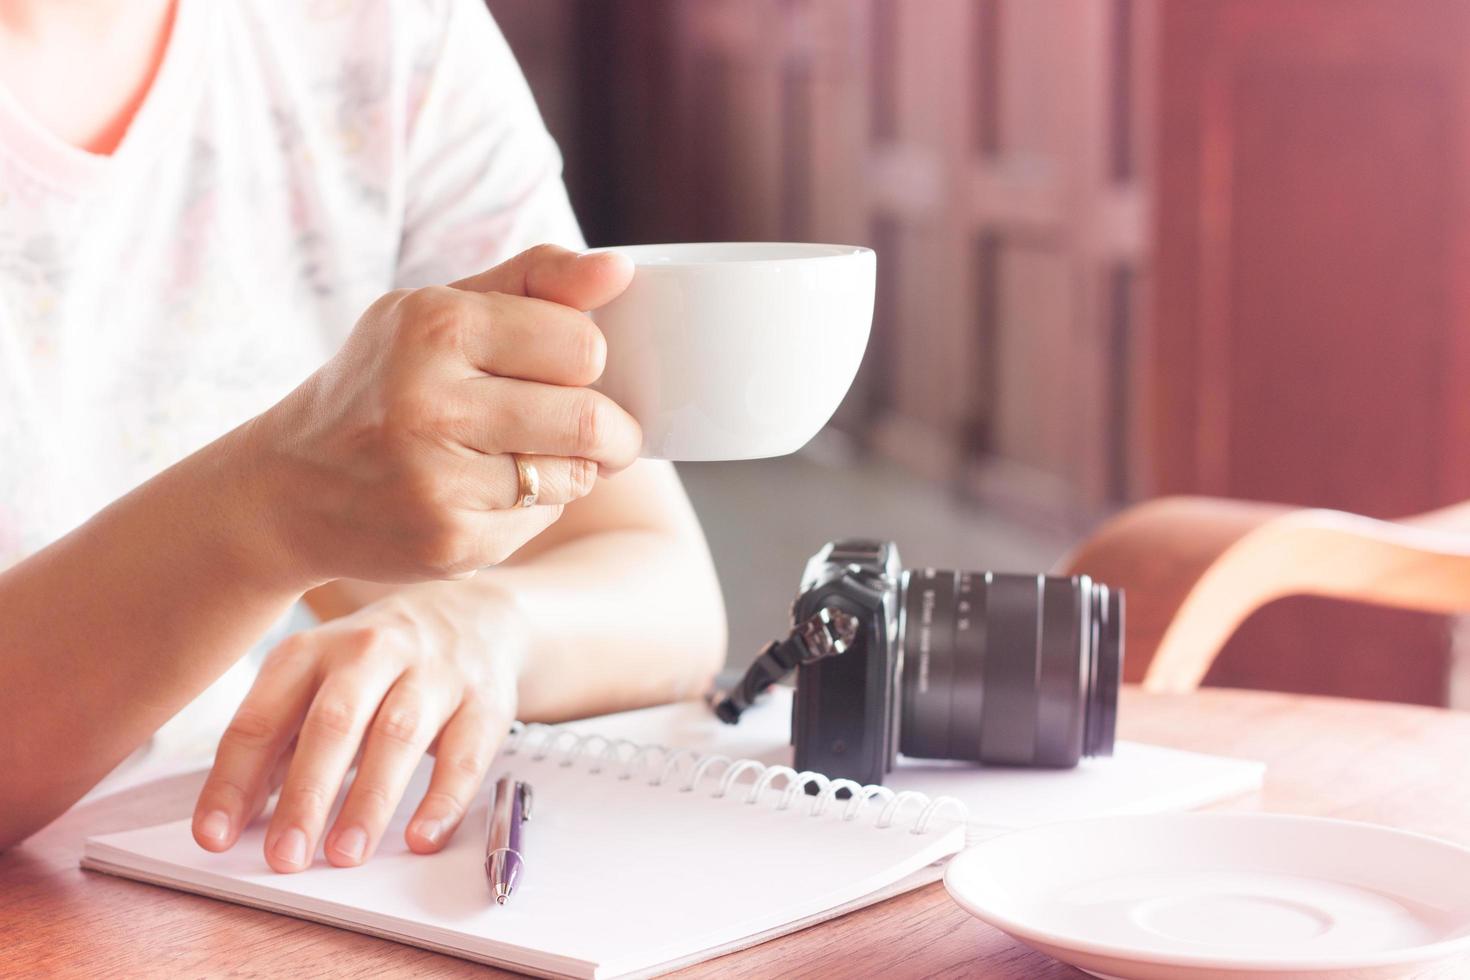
(938, 664)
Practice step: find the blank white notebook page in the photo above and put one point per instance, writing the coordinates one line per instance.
(620, 877)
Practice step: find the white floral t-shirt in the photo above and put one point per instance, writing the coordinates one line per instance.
(291, 162)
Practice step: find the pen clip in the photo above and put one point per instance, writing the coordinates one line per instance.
(524, 790)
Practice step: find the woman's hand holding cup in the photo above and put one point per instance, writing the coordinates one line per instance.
(394, 462)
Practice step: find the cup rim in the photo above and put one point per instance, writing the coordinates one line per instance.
(781, 252)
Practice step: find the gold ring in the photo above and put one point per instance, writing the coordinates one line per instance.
(530, 482)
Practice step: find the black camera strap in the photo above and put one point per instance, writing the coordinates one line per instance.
(828, 632)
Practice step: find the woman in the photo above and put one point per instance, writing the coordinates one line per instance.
(198, 199)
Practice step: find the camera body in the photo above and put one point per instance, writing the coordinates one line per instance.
(977, 666)
(846, 711)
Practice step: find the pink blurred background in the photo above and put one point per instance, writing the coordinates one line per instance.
(1126, 248)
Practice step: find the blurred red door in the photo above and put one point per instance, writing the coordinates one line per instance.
(1312, 259)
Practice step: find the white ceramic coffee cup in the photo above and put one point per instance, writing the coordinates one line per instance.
(736, 350)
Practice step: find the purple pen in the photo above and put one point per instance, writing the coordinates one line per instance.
(510, 808)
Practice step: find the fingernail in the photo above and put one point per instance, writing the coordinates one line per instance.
(290, 847)
(430, 830)
(215, 826)
(351, 843)
(594, 253)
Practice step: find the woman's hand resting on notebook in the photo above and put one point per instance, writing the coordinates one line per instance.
(382, 686)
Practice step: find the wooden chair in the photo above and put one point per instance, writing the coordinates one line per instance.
(1195, 567)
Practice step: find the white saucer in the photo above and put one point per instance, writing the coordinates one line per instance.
(1210, 896)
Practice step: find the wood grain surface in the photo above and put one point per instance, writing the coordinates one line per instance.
(1398, 765)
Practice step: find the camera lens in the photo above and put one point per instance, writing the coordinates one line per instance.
(1010, 669)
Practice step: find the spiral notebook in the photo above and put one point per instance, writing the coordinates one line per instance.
(661, 837)
(639, 859)
(1136, 778)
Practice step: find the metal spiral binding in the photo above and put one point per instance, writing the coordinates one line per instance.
(687, 769)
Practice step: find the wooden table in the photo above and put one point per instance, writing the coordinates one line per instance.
(1390, 764)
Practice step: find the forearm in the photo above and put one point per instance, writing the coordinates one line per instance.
(616, 606)
(615, 620)
(611, 620)
(112, 629)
